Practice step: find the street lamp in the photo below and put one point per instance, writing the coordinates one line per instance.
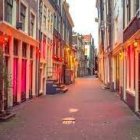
(136, 43)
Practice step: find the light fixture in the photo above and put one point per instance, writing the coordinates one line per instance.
(136, 43)
(121, 55)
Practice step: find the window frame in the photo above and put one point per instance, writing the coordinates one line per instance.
(8, 10)
(23, 15)
(32, 24)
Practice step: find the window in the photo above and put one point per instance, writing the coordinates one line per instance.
(44, 21)
(24, 49)
(44, 17)
(31, 52)
(52, 17)
(107, 7)
(6, 48)
(23, 16)
(49, 20)
(58, 2)
(128, 4)
(55, 22)
(137, 4)
(40, 13)
(32, 24)
(123, 14)
(15, 47)
(45, 10)
(8, 10)
(58, 23)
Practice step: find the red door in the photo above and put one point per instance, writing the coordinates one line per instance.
(31, 79)
(15, 80)
(23, 82)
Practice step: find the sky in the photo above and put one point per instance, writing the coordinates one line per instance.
(83, 13)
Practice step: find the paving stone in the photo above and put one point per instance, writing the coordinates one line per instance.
(101, 115)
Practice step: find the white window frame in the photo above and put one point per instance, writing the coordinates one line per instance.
(26, 15)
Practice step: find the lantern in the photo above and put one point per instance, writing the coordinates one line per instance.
(136, 43)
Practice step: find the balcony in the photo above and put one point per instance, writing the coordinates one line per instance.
(132, 28)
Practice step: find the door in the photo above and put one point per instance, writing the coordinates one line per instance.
(117, 73)
(23, 82)
(7, 85)
(15, 80)
(31, 79)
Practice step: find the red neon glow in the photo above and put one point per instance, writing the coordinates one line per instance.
(4, 39)
(135, 43)
(57, 58)
(15, 76)
(37, 53)
(23, 82)
(31, 75)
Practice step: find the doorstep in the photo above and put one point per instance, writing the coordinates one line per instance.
(138, 113)
(7, 116)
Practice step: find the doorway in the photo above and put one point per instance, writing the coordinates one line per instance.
(15, 80)
(23, 82)
(117, 73)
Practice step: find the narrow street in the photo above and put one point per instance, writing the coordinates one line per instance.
(97, 114)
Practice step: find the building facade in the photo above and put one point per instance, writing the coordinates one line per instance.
(89, 53)
(69, 51)
(105, 14)
(45, 28)
(80, 55)
(131, 47)
(57, 41)
(117, 51)
(18, 22)
(33, 36)
(124, 51)
(100, 9)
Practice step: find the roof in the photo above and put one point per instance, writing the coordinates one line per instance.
(87, 38)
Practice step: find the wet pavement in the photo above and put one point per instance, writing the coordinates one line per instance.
(85, 112)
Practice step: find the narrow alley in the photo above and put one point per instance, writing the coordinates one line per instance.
(85, 112)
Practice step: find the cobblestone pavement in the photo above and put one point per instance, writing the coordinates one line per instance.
(96, 114)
